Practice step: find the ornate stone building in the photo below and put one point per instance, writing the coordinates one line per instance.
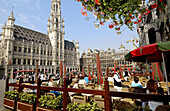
(107, 58)
(21, 48)
(154, 26)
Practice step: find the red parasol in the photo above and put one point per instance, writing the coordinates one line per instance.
(121, 72)
(89, 72)
(64, 71)
(115, 66)
(156, 73)
(107, 73)
(92, 72)
(99, 71)
(83, 71)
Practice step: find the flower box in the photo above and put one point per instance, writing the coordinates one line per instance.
(39, 108)
(22, 106)
(9, 103)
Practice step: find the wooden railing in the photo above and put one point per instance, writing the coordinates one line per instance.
(106, 93)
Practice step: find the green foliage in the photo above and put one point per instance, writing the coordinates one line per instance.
(83, 107)
(28, 98)
(135, 108)
(51, 102)
(119, 12)
(11, 95)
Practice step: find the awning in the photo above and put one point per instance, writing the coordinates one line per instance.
(149, 53)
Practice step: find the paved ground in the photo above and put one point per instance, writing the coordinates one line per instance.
(2, 90)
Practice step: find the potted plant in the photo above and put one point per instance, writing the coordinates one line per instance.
(26, 101)
(83, 107)
(10, 99)
(50, 103)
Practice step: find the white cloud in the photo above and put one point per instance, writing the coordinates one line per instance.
(37, 5)
(39, 19)
(23, 18)
(5, 12)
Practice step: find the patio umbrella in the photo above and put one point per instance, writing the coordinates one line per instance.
(61, 73)
(121, 72)
(83, 71)
(107, 73)
(99, 71)
(92, 72)
(64, 71)
(151, 53)
(89, 72)
(124, 66)
(115, 66)
(156, 73)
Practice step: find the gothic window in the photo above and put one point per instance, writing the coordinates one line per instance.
(41, 62)
(33, 62)
(47, 62)
(14, 61)
(28, 62)
(41, 52)
(29, 50)
(20, 49)
(19, 61)
(44, 62)
(15, 48)
(24, 62)
(33, 51)
(25, 50)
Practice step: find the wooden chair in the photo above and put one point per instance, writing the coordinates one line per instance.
(163, 108)
(78, 99)
(99, 101)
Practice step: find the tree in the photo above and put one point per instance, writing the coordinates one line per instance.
(119, 12)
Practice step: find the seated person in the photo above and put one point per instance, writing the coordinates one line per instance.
(136, 83)
(126, 75)
(51, 83)
(152, 87)
(86, 79)
(82, 81)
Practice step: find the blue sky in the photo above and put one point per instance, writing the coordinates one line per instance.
(33, 14)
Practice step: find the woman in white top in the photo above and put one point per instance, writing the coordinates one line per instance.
(82, 81)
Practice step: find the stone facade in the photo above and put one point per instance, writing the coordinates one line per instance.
(107, 58)
(22, 48)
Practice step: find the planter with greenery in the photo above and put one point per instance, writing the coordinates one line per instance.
(83, 107)
(50, 103)
(26, 102)
(10, 99)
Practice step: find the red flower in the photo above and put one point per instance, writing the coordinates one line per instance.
(161, 0)
(78, 0)
(133, 17)
(111, 26)
(97, 2)
(84, 13)
(154, 5)
(102, 13)
(160, 9)
(116, 23)
(140, 17)
(84, 7)
(118, 29)
(110, 8)
(129, 21)
(130, 15)
(135, 22)
(101, 23)
(139, 21)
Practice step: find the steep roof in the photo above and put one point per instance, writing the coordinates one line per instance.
(30, 35)
(68, 44)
